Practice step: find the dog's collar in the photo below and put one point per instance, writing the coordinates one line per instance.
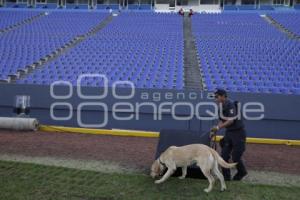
(160, 162)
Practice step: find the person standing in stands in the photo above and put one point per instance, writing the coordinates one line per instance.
(233, 143)
(181, 12)
(191, 12)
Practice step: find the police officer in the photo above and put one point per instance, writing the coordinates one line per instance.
(234, 142)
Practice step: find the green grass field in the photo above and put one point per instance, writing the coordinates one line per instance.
(38, 182)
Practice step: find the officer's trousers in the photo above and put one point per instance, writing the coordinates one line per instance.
(234, 144)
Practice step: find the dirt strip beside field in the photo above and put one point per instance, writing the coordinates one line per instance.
(131, 152)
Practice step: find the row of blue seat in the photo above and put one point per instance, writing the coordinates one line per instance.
(230, 7)
(145, 48)
(31, 42)
(239, 52)
(80, 6)
(242, 52)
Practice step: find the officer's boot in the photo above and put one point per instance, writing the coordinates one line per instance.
(241, 171)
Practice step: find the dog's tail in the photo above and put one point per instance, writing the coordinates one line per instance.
(222, 162)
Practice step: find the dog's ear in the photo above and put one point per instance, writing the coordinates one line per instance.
(155, 169)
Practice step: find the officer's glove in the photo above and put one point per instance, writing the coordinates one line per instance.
(214, 129)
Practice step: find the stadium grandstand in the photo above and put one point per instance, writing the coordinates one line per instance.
(249, 48)
(240, 51)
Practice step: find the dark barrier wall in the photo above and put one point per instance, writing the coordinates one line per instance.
(281, 112)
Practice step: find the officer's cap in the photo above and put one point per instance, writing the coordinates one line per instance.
(220, 92)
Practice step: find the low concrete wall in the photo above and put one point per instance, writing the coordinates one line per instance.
(281, 116)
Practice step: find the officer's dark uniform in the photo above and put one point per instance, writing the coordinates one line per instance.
(234, 141)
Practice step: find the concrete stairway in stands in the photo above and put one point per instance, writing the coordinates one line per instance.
(192, 75)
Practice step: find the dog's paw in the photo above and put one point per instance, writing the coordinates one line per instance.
(206, 190)
(181, 177)
(157, 182)
(223, 189)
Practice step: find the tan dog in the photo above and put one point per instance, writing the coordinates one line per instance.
(205, 157)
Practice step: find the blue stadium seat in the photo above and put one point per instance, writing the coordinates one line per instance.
(145, 7)
(266, 7)
(82, 6)
(46, 5)
(103, 6)
(51, 5)
(230, 7)
(114, 6)
(18, 5)
(133, 6)
(246, 7)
